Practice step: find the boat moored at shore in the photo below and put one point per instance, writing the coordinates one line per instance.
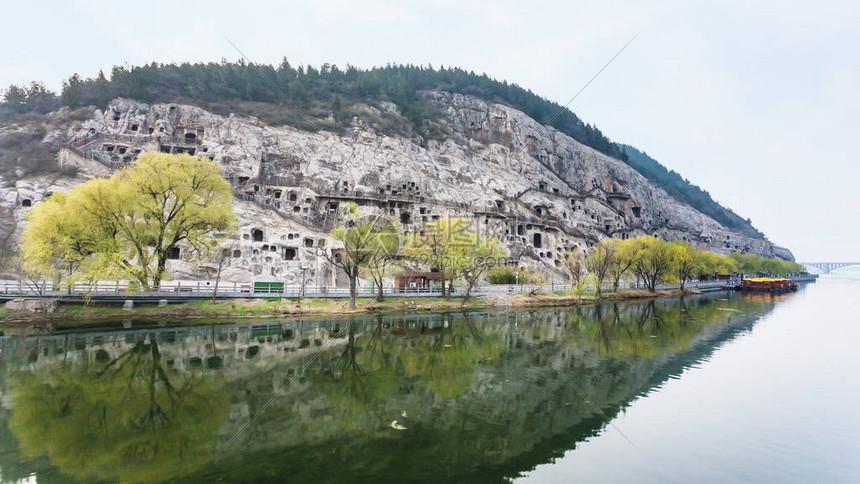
(768, 284)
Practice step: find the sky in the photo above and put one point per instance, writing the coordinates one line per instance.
(756, 102)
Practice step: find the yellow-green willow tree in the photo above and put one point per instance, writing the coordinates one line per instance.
(599, 262)
(573, 261)
(627, 253)
(654, 262)
(381, 263)
(127, 225)
(367, 244)
(754, 263)
(442, 245)
(716, 264)
(687, 261)
(485, 253)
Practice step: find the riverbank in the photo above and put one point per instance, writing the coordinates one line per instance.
(81, 315)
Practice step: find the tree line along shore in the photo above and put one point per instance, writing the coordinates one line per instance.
(127, 225)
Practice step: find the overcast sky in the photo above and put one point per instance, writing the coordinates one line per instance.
(757, 102)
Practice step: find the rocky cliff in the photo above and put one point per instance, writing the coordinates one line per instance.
(536, 188)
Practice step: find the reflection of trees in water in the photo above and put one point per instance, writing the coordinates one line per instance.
(143, 363)
(129, 419)
(444, 360)
(481, 405)
(376, 368)
(475, 394)
(363, 379)
(650, 328)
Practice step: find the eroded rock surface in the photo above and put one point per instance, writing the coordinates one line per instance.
(538, 189)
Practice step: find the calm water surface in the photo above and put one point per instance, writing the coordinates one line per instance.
(716, 388)
(776, 405)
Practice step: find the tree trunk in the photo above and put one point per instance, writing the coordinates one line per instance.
(353, 282)
(144, 282)
(217, 280)
(379, 295)
(468, 293)
(159, 271)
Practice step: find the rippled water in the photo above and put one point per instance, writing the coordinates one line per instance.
(721, 387)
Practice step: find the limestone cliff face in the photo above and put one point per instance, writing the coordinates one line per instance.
(538, 189)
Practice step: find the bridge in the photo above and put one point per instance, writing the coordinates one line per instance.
(828, 267)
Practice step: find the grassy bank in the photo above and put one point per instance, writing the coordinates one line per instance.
(80, 315)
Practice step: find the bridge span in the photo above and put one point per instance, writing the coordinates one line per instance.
(828, 267)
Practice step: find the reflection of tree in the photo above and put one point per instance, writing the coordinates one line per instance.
(516, 412)
(651, 328)
(364, 377)
(603, 331)
(445, 361)
(130, 419)
(683, 314)
(13, 466)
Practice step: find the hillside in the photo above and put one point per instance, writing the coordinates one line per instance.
(684, 191)
(328, 98)
(538, 188)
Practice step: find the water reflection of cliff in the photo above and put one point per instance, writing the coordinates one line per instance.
(478, 402)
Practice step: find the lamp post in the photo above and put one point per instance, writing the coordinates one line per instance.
(304, 268)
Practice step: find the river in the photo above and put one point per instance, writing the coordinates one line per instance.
(722, 387)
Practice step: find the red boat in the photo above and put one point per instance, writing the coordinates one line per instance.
(768, 284)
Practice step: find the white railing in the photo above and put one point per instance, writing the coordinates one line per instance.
(205, 289)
